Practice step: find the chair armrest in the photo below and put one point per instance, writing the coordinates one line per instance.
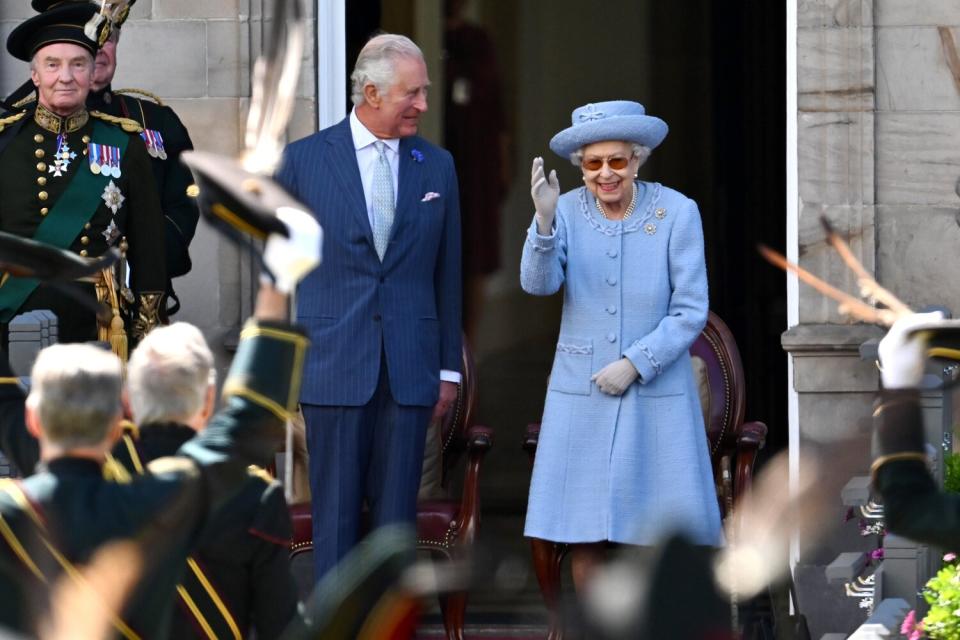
(753, 435)
(479, 441)
(530, 439)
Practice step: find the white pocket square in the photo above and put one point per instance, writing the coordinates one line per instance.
(430, 195)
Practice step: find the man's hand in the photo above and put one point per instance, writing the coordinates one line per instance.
(614, 378)
(902, 356)
(291, 259)
(545, 193)
(448, 395)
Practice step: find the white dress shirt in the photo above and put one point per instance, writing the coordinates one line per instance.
(363, 143)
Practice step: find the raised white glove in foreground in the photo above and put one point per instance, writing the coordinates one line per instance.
(291, 259)
(902, 357)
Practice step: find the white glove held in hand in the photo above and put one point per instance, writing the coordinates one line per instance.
(545, 194)
(615, 377)
(291, 259)
(902, 357)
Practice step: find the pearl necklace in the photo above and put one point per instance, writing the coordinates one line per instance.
(627, 213)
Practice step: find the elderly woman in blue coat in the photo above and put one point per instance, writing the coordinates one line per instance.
(622, 455)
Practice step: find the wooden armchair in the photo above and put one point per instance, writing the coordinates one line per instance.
(733, 446)
(446, 528)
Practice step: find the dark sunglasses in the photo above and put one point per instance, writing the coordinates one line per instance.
(595, 164)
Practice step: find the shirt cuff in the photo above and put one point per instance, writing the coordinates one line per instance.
(450, 376)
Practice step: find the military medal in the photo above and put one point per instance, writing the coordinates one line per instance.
(111, 233)
(154, 142)
(62, 157)
(113, 198)
(93, 153)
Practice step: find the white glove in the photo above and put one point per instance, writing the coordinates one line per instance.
(545, 194)
(615, 377)
(291, 259)
(902, 357)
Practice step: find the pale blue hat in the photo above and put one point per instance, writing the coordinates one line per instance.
(611, 120)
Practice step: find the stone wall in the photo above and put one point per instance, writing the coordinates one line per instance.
(878, 155)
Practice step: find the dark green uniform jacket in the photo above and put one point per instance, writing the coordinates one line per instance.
(913, 506)
(122, 207)
(167, 511)
(172, 177)
(244, 552)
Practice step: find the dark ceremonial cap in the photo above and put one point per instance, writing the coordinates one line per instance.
(61, 24)
(27, 258)
(118, 9)
(241, 204)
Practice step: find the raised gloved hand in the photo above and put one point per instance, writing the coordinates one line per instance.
(614, 378)
(291, 259)
(545, 193)
(902, 356)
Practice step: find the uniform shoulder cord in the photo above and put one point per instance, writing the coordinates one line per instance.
(15, 491)
(130, 434)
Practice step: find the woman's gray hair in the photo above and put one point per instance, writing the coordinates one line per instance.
(639, 150)
(75, 392)
(169, 374)
(375, 62)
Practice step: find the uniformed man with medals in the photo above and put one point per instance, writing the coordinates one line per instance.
(73, 178)
(163, 133)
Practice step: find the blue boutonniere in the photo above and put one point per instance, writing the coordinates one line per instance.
(416, 155)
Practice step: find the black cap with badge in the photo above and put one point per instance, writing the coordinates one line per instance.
(74, 23)
(26, 258)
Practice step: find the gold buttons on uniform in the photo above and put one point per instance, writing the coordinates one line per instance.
(83, 253)
(85, 139)
(42, 180)
(44, 211)
(38, 138)
(39, 153)
(86, 226)
(41, 166)
(42, 195)
(84, 240)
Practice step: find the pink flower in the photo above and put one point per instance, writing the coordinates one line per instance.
(877, 554)
(909, 623)
(949, 557)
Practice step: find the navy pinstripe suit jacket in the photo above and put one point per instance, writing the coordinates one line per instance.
(355, 307)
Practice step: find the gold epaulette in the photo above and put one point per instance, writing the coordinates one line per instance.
(30, 98)
(141, 92)
(128, 125)
(259, 472)
(11, 119)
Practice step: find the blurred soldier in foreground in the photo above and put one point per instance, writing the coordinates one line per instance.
(54, 521)
(73, 179)
(913, 505)
(238, 580)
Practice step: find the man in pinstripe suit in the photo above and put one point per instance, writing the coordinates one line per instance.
(384, 312)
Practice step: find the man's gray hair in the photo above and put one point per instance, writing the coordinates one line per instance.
(375, 64)
(639, 150)
(169, 374)
(75, 392)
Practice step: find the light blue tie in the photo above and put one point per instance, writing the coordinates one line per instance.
(383, 205)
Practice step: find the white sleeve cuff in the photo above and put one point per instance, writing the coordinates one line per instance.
(450, 376)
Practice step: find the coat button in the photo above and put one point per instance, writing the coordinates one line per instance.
(83, 253)
(41, 180)
(612, 253)
(38, 138)
(612, 281)
(611, 337)
(84, 240)
(612, 309)
(41, 166)
(44, 211)
(42, 195)
(39, 153)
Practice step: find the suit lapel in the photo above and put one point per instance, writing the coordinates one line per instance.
(342, 161)
(409, 184)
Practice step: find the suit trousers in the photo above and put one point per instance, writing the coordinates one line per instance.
(366, 455)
